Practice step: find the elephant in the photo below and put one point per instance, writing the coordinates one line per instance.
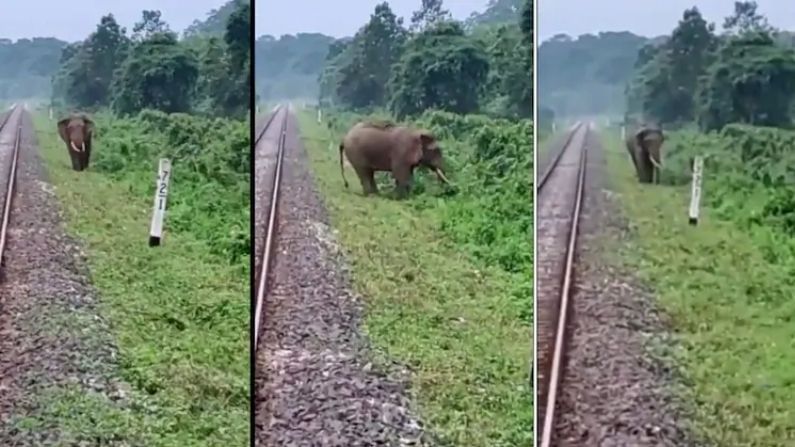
(645, 148)
(384, 146)
(76, 131)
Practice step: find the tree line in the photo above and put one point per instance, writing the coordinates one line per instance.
(744, 74)
(151, 68)
(435, 62)
(27, 66)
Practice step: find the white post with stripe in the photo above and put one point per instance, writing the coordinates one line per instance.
(163, 176)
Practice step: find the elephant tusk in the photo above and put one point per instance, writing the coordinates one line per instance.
(656, 164)
(74, 147)
(83, 146)
(441, 176)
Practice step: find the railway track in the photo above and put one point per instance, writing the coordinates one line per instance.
(560, 193)
(5, 126)
(278, 125)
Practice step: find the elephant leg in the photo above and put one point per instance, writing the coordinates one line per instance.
(87, 155)
(75, 159)
(646, 168)
(403, 180)
(366, 177)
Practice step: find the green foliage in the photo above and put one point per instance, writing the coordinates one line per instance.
(448, 284)
(727, 283)
(216, 22)
(151, 68)
(491, 161)
(86, 73)
(508, 91)
(498, 12)
(749, 173)
(355, 71)
(179, 313)
(441, 68)
(667, 76)
(159, 73)
(27, 65)
(440, 65)
(752, 81)
(430, 14)
(746, 75)
(210, 159)
(375, 48)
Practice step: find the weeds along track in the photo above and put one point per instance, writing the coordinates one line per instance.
(560, 193)
(10, 132)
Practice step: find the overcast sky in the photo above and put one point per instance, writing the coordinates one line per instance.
(338, 18)
(74, 20)
(575, 17)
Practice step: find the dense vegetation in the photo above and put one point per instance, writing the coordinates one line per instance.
(358, 71)
(744, 75)
(27, 66)
(434, 64)
(152, 68)
(179, 313)
(730, 97)
(449, 287)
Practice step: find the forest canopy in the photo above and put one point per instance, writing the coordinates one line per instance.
(387, 62)
(205, 71)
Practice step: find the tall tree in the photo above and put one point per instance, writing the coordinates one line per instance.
(159, 74)
(151, 23)
(375, 49)
(746, 19)
(88, 68)
(752, 81)
(666, 84)
(430, 13)
(442, 68)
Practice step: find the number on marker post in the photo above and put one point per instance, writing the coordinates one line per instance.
(161, 192)
(695, 192)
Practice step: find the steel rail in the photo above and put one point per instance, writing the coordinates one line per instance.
(271, 228)
(557, 356)
(267, 124)
(10, 185)
(554, 163)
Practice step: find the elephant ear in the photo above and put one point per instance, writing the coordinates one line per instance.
(414, 154)
(62, 124)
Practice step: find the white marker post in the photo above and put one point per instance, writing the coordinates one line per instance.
(319, 116)
(554, 127)
(50, 113)
(163, 176)
(623, 132)
(695, 193)
(257, 110)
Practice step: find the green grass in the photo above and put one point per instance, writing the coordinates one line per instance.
(179, 314)
(731, 305)
(452, 319)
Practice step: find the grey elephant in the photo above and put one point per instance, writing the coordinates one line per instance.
(76, 131)
(645, 148)
(384, 146)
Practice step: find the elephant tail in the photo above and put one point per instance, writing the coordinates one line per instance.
(342, 167)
